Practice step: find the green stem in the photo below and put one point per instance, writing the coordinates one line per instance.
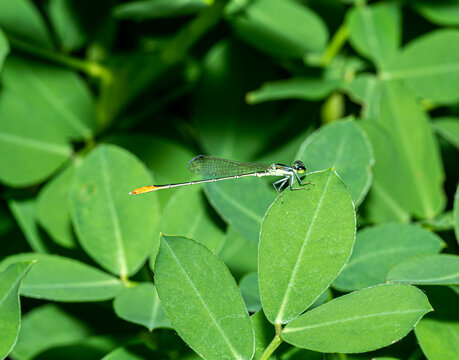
(274, 344)
(179, 46)
(336, 43)
(92, 69)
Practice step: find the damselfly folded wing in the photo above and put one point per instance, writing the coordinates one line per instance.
(210, 166)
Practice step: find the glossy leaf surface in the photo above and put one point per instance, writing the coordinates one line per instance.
(115, 228)
(217, 324)
(305, 241)
(385, 313)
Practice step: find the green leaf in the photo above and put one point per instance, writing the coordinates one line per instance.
(300, 252)
(140, 305)
(41, 85)
(345, 147)
(437, 333)
(238, 253)
(25, 214)
(281, 28)
(429, 66)
(456, 214)
(364, 90)
(378, 248)
(217, 325)
(4, 48)
(242, 203)
(115, 228)
(382, 314)
(10, 309)
(187, 214)
(387, 200)
(46, 327)
(53, 212)
(415, 146)
(448, 128)
(264, 333)
(294, 88)
(439, 12)
(156, 9)
(66, 25)
(250, 292)
(375, 31)
(35, 149)
(440, 269)
(63, 279)
(20, 19)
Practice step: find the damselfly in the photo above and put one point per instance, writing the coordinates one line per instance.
(216, 169)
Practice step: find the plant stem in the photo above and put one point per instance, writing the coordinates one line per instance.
(274, 344)
(179, 46)
(336, 43)
(90, 68)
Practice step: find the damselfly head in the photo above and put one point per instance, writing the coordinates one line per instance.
(299, 167)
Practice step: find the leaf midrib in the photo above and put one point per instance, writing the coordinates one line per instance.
(280, 315)
(198, 294)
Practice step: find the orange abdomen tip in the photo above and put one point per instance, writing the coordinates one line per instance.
(142, 190)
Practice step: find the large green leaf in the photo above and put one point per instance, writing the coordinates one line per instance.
(386, 200)
(448, 128)
(22, 20)
(344, 146)
(187, 214)
(242, 203)
(140, 305)
(4, 48)
(282, 28)
(415, 146)
(429, 66)
(46, 327)
(52, 208)
(154, 9)
(35, 148)
(63, 279)
(378, 248)
(41, 85)
(362, 321)
(10, 310)
(374, 31)
(437, 333)
(115, 228)
(306, 238)
(440, 269)
(216, 324)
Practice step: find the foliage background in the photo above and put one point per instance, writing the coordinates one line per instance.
(98, 98)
